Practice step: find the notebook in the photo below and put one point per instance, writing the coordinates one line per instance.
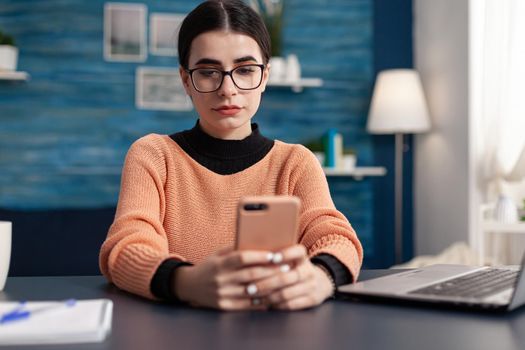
(56, 322)
(459, 286)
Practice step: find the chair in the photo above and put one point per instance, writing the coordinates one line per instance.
(57, 242)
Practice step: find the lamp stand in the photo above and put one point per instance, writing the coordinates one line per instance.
(398, 234)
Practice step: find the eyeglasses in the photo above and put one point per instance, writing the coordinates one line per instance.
(246, 77)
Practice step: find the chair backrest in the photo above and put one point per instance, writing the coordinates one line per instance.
(57, 242)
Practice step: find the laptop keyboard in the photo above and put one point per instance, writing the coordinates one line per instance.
(475, 285)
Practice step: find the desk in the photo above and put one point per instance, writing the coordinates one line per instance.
(145, 325)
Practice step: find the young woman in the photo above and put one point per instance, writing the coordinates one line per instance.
(174, 229)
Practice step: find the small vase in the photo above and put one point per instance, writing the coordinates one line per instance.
(277, 69)
(506, 210)
(8, 58)
(349, 161)
(293, 69)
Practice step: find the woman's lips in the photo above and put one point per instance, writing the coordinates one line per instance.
(228, 110)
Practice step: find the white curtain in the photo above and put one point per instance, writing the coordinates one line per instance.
(500, 67)
(502, 80)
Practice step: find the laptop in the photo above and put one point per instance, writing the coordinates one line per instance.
(498, 289)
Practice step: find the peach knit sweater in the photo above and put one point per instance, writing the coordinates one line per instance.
(170, 206)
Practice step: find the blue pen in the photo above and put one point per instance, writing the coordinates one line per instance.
(20, 314)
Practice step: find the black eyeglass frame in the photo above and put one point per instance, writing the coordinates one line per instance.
(224, 73)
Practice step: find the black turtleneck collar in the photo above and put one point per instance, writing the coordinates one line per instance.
(223, 156)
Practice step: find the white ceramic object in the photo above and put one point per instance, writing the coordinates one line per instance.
(293, 68)
(277, 69)
(5, 251)
(349, 161)
(506, 210)
(8, 58)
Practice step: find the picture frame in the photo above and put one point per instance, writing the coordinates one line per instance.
(125, 32)
(164, 33)
(160, 88)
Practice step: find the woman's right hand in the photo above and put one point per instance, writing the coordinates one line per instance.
(221, 280)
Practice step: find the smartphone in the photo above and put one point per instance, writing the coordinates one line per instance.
(267, 222)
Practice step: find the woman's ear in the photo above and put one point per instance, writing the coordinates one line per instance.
(185, 77)
(266, 75)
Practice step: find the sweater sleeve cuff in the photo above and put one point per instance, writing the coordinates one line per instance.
(162, 281)
(339, 272)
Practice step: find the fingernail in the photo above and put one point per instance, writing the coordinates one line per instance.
(251, 289)
(284, 268)
(269, 256)
(277, 258)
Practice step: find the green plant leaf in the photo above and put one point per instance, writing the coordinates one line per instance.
(6, 39)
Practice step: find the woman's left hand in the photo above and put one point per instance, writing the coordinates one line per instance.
(300, 285)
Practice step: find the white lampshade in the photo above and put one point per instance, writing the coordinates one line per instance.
(398, 104)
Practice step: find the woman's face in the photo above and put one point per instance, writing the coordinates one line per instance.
(225, 113)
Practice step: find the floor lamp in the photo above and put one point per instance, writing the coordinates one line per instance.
(398, 107)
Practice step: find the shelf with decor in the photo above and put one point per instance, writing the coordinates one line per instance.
(297, 85)
(357, 173)
(340, 161)
(11, 75)
(286, 72)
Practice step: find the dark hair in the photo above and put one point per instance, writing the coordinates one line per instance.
(231, 15)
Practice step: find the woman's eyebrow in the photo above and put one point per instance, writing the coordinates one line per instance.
(217, 62)
(244, 59)
(208, 61)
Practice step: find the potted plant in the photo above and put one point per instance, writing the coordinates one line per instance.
(8, 53)
(272, 13)
(349, 155)
(317, 148)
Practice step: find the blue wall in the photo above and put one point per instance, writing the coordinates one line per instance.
(64, 134)
(392, 49)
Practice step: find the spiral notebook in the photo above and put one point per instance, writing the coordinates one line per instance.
(55, 322)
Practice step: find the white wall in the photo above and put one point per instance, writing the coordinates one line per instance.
(441, 159)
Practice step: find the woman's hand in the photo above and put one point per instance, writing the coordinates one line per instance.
(221, 281)
(301, 285)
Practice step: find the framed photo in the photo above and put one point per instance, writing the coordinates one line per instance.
(125, 32)
(164, 33)
(161, 89)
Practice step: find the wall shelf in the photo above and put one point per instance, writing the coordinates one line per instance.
(298, 85)
(357, 173)
(494, 226)
(9, 75)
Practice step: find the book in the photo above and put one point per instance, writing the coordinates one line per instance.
(338, 150)
(55, 322)
(333, 148)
